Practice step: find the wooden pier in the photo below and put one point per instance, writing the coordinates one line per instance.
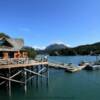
(57, 65)
(15, 63)
(68, 67)
(26, 68)
(18, 65)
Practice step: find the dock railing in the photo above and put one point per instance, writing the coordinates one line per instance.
(15, 61)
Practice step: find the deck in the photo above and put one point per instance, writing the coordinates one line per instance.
(23, 65)
(17, 63)
(56, 65)
(27, 69)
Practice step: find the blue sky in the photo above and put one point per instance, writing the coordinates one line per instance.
(42, 22)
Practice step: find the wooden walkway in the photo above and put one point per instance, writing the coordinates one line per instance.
(23, 65)
(68, 66)
(56, 65)
(27, 63)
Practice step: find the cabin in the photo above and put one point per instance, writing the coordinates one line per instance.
(12, 48)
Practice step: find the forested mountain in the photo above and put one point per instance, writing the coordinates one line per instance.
(90, 49)
(55, 47)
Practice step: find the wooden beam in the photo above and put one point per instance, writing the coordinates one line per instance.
(41, 70)
(9, 79)
(34, 72)
(2, 82)
(30, 78)
(15, 74)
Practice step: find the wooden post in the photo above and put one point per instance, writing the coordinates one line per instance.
(47, 79)
(37, 77)
(9, 82)
(31, 74)
(41, 77)
(33, 70)
(25, 78)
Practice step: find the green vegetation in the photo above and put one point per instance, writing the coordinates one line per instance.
(63, 52)
(92, 49)
(88, 49)
(31, 51)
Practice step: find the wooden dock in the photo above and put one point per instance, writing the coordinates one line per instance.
(69, 67)
(56, 65)
(32, 63)
(21, 62)
(26, 68)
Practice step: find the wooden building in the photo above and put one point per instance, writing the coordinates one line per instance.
(12, 48)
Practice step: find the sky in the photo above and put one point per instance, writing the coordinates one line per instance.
(43, 22)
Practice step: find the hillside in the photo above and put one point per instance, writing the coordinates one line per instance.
(61, 49)
(56, 47)
(88, 49)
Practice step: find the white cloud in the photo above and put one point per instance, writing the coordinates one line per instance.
(39, 47)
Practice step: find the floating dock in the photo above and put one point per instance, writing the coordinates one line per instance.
(58, 65)
(68, 67)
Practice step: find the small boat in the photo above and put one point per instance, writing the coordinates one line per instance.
(73, 68)
(93, 67)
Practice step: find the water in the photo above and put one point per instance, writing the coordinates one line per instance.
(72, 59)
(83, 85)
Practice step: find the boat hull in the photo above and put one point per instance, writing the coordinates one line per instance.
(71, 71)
(93, 67)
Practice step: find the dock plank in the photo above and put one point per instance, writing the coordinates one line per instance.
(57, 65)
(32, 63)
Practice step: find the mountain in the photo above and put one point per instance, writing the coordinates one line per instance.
(88, 49)
(55, 47)
(63, 50)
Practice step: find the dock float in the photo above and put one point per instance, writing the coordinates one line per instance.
(68, 67)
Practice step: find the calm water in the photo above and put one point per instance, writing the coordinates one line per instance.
(83, 85)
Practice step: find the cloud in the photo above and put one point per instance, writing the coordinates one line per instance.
(39, 47)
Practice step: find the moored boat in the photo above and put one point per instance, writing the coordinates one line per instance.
(93, 67)
(73, 68)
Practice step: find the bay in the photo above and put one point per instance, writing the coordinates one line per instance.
(83, 85)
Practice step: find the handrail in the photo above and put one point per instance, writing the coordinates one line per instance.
(14, 61)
